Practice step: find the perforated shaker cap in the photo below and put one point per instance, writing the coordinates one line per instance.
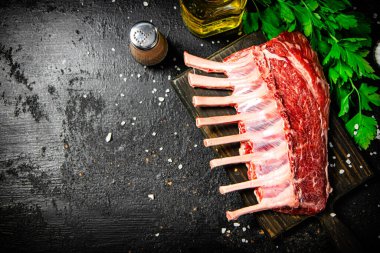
(144, 35)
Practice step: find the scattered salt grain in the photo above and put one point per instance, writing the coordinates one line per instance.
(213, 42)
(131, 75)
(356, 126)
(122, 95)
(140, 102)
(361, 166)
(151, 196)
(159, 104)
(169, 77)
(180, 166)
(154, 81)
(348, 161)
(174, 59)
(145, 3)
(122, 123)
(154, 134)
(113, 49)
(170, 160)
(121, 75)
(138, 75)
(227, 41)
(167, 90)
(355, 132)
(341, 172)
(175, 7)
(133, 124)
(223, 230)
(157, 234)
(236, 224)
(218, 41)
(244, 229)
(161, 99)
(248, 227)
(333, 214)
(331, 145)
(243, 240)
(109, 137)
(146, 150)
(85, 96)
(201, 44)
(161, 148)
(334, 157)
(195, 145)
(348, 155)
(124, 79)
(374, 15)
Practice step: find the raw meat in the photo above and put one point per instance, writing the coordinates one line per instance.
(282, 102)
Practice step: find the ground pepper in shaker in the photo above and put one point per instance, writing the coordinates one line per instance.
(148, 46)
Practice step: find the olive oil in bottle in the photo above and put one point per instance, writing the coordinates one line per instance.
(205, 18)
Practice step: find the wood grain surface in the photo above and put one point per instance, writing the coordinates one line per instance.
(347, 167)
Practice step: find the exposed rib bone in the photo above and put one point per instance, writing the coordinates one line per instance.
(227, 139)
(209, 82)
(229, 119)
(223, 101)
(257, 158)
(285, 198)
(273, 178)
(213, 66)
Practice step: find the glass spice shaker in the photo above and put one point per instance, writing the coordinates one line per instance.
(147, 45)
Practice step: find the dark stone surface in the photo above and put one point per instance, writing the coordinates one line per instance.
(64, 188)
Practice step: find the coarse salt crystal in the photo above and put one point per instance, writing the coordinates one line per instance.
(157, 234)
(154, 134)
(341, 171)
(244, 229)
(170, 160)
(174, 59)
(243, 240)
(121, 75)
(161, 99)
(122, 123)
(180, 166)
(334, 157)
(154, 81)
(333, 214)
(161, 148)
(108, 137)
(125, 79)
(201, 44)
(159, 104)
(167, 90)
(175, 7)
(145, 3)
(348, 161)
(134, 118)
(140, 102)
(356, 126)
(133, 123)
(175, 133)
(84, 95)
(218, 41)
(122, 95)
(331, 145)
(169, 77)
(348, 155)
(146, 150)
(113, 49)
(138, 75)
(151, 196)
(236, 224)
(195, 145)
(223, 230)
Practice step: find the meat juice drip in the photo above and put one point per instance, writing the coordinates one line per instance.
(205, 18)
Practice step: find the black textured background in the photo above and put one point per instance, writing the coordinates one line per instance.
(63, 188)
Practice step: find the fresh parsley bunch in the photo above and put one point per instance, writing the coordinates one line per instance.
(342, 40)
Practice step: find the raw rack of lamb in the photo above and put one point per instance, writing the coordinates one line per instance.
(282, 102)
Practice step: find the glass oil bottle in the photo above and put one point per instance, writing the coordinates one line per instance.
(205, 18)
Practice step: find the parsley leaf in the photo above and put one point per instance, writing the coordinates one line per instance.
(368, 95)
(363, 129)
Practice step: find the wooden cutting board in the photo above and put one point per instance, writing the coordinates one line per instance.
(340, 149)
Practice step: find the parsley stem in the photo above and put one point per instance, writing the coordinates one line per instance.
(357, 92)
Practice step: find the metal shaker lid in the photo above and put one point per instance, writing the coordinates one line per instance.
(144, 35)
